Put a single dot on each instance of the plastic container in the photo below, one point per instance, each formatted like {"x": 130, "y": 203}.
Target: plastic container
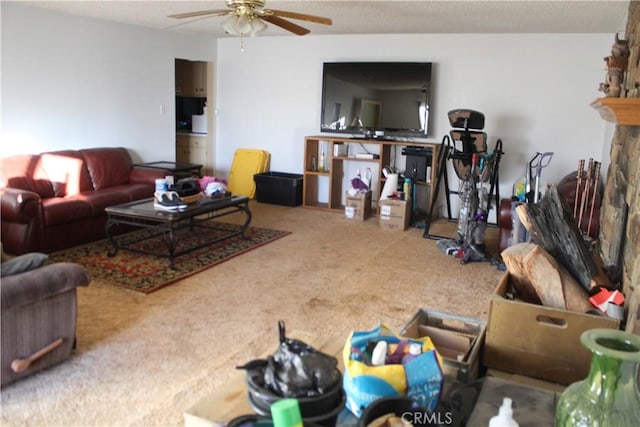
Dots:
{"x": 326, "y": 418}
{"x": 322, "y": 165}
{"x": 245, "y": 420}
{"x": 415, "y": 350}
{"x": 247, "y": 163}
{"x": 379, "y": 353}
{"x": 161, "y": 185}
{"x": 262, "y": 397}
{"x": 254, "y": 420}
{"x": 406, "y": 188}
{"x": 279, "y": 188}
{"x": 505, "y": 416}
{"x": 286, "y": 413}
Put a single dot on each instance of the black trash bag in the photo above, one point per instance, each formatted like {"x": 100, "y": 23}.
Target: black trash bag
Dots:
{"x": 298, "y": 370}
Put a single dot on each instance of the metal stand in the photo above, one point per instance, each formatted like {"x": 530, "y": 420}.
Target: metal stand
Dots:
{"x": 448, "y": 152}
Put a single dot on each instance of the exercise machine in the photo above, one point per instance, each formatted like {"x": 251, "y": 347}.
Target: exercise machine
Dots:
{"x": 466, "y": 148}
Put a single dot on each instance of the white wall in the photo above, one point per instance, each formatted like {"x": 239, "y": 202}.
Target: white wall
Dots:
{"x": 72, "y": 82}
{"x": 534, "y": 89}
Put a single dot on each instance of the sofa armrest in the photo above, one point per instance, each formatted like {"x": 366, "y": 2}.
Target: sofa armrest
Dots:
{"x": 41, "y": 283}
{"x": 142, "y": 175}
{"x": 21, "y": 215}
{"x": 18, "y": 205}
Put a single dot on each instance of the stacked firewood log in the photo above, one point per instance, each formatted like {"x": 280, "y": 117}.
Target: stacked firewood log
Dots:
{"x": 540, "y": 279}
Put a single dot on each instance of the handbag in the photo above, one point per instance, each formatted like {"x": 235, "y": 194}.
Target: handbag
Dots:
{"x": 421, "y": 378}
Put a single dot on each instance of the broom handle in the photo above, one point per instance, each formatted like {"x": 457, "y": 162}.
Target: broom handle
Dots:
{"x": 585, "y": 194}
{"x": 578, "y": 184}
{"x": 596, "y": 181}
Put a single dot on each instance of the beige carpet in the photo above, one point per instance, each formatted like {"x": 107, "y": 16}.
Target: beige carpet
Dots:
{"x": 144, "y": 359}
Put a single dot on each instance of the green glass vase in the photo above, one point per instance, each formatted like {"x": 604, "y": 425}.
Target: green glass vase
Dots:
{"x": 610, "y": 395}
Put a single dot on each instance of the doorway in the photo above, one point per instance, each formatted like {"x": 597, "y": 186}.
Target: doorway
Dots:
{"x": 194, "y": 113}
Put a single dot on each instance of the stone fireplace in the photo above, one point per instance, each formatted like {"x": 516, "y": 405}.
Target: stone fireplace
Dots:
{"x": 620, "y": 212}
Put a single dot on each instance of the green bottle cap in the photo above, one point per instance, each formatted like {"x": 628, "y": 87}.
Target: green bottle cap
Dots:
{"x": 286, "y": 413}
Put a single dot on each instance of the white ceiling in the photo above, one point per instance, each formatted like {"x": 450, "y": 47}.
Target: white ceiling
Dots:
{"x": 376, "y": 17}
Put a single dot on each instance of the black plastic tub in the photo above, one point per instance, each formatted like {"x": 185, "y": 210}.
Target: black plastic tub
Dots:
{"x": 328, "y": 417}
{"x": 262, "y": 397}
{"x": 279, "y": 188}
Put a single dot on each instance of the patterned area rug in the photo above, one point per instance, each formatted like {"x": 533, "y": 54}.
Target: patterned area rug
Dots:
{"x": 148, "y": 273}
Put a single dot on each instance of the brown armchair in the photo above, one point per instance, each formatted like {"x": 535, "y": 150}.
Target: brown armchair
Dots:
{"x": 38, "y": 324}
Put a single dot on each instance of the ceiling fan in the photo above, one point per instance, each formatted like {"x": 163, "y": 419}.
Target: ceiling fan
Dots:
{"x": 246, "y": 18}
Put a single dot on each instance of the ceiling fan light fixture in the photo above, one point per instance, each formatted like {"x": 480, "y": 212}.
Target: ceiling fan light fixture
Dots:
{"x": 237, "y": 25}
{"x": 243, "y": 25}
{"x": 244, "y": 20}
{"x": 229, "y": 25}
{"x": 256, "y": 26}
{"x": 248, "y": 18}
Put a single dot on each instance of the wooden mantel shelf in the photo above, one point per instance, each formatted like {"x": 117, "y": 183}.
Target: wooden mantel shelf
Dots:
{"x": 621, "y": 111}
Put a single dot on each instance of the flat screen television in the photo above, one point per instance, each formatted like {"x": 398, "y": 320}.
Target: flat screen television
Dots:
{"x": 376, "y": 99}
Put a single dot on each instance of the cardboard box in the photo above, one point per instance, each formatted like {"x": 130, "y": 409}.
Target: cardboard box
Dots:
{"x": 358, "y": 207}
{"x": 458, "y": 339}
{"x": 394, "y": 214}
{"x": 527, "y": 381}
{"x": 538, "y": 341}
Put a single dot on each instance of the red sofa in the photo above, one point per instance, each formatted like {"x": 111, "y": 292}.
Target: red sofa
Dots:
{"x": 56, "y": 200}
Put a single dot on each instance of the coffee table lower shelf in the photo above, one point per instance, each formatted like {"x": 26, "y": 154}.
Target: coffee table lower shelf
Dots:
{"x": 142, "y": 214}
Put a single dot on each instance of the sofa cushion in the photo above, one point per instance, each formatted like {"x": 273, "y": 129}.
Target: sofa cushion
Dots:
{"x": 41, "y": 187}
{"x": 67, "y": 172}
{"x": 107, "y": 166}
{"x": 25, "y": 172}
{"x": 14, "y": 166}
{"x": 98, "y": 200}
{"x": 134, "y": 191}
{"x": 22, "y": 263}
{"x": 64, "y": 210}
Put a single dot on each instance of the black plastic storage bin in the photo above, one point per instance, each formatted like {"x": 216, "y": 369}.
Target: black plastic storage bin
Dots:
{"x": 279, "y": 188}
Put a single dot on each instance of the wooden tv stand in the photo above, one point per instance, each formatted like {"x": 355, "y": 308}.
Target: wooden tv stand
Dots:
{"x": 325, "y": 190}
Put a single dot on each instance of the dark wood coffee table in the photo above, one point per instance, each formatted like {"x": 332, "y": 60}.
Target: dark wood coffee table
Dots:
{"x": 143, "y": 214}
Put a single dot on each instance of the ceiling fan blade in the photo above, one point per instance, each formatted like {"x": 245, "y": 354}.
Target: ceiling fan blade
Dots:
{"x": 200, "y": 13}
{"x": 301, "y": 16}
{"x": 283, "y": 23}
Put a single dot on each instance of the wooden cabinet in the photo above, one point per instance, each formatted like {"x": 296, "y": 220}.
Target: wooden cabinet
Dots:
{"x": 191, "y": 78}
{"x": 191, "y": 149}
{"x": 198, "y": 150}
{"x": 182, "y": 149}
{"x": 324, "y": 188}
{"x": 198, "y": 86}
